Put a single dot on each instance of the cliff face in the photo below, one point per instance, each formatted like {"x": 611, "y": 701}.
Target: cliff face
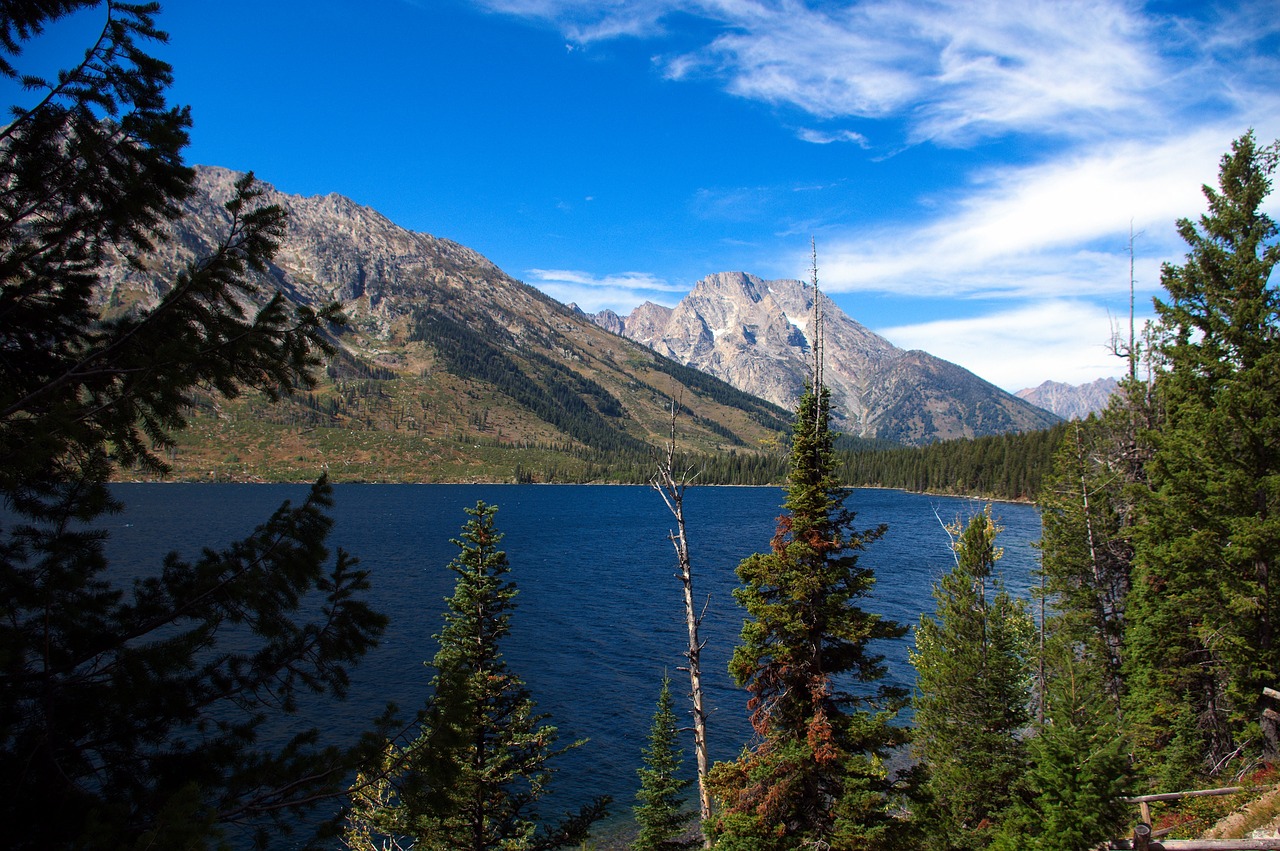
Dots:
{"x": 758, "y": 335}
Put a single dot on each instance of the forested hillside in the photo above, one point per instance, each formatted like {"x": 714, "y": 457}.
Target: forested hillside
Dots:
{"x": 443, "y": 368}
{"x": 1006, "y": 466}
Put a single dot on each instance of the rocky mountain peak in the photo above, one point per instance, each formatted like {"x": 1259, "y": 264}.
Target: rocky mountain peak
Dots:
{"x": 757, "y": 335}
{"x": 609, "y": 321}
{"x": 1071, "y": 402}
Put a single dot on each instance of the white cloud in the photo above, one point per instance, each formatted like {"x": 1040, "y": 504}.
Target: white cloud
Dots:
{"x": 1054, "y": 229}
{"x": 956, "y": 70}
{"x": 826, "y": 137}
{"x": 856, "y": 62}
{"x": 618, "y": 292}
{"x": 585, "y": 21}
{"x": 1035, "y": 67}
{"x": 1059, "y": 340}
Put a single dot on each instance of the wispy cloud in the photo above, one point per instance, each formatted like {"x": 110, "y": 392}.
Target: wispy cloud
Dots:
{"x": 856, "y": 61}
{"x": 1038, "y": 67}
{"x": 619, "y": 292}
{"x": 1048, "y": 230}
{"x": 955, "y": 70}
{"x": 826, "y": 137}
{"x": 1059, "y": 340}
{"x": 585, "y": 21}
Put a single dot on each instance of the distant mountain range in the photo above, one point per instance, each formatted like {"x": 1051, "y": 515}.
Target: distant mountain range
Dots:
{"x": 451, "y": 369}
{"x": 1071, "y": 402}
{"x": 758, "y": 335}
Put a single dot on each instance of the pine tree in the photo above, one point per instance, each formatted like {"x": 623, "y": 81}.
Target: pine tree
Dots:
{"x": 1202, "y": 640}
{"x": 1089, "y": 510}
{"x": 1071, "y": 794}
{"x": 129, "y": 714}
{"x": 81, "y": 188}
{"x": 972, "y": 692}
{"x": 479, "y": 766}
{"x": 817, "y": 773}
{"x": 662, "y": 815}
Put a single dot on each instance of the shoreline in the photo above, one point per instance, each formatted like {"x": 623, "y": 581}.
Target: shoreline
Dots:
{"x": 493, "y": 483}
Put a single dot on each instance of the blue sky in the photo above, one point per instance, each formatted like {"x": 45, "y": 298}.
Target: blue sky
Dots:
{"x": 970, "y": 171}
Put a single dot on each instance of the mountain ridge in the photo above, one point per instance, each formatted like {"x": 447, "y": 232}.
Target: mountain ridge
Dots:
{"x": 758, "y": 335}
{"x": 1071, "y": 401}
{"x": 443, "y": 352}
{"x": 448, "y": 360}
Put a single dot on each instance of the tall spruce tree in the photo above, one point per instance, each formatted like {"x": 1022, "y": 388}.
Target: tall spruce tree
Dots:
{"x": 1089, "y": 508}
{"x": 128, "y": 715}
{"x": 1070, "y": 798}
{"x": 662, "y": 813}
{"x": 972, "y": 661}
{"x": 817, "y": 774}
{"x": 480, "y": 765}
{"x": 1202, "y": 637}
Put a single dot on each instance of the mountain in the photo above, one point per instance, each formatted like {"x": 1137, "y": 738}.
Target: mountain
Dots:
{"x": 450, "y": 369}
{"x": 757, "y": 336}
{"x": 1071, "y": 402}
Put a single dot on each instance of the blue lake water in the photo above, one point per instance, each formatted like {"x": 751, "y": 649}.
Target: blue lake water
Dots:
{"x": 599, "y": 616}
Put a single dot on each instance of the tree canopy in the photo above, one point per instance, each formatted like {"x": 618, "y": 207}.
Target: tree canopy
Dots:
{"x": 130, "y": 706}
{"x": 662, "y": 812}
{"x": 972, "y": 702}
{"x": 1204, "y": 605}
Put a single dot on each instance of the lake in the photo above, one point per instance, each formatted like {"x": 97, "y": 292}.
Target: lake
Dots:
{"x": 599, "y": 615}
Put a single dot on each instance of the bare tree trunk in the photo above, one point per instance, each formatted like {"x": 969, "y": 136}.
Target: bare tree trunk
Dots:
{"x": 671, "y": 488}
{"x": 1105, "y": 605}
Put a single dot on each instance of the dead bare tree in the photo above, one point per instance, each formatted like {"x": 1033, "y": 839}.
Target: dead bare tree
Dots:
{"x": 1118, "y": 347}
{"x": 671, "y": 486}
{"x": 817, "y": 328}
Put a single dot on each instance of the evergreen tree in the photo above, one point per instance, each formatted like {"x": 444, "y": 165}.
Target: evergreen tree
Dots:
{"x": 93, "y": 172}
{"x": 1071, "y": 795}
{"x": 1202, "y": 636}
{"x": 663, "y": 818}
{"x": 479, "y": 766}
{"x": 817, "y": 774}
{"x": 128, "y": 713}
{"x": 972, "y": 692}
{"x": 1089, "y": 508}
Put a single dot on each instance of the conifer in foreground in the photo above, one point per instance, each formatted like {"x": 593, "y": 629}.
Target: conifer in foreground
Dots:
{"x": 817, "y": 775}
{"x": 662, "y": 815}
{"x": 972, "y": 692}
{"x": 479, "y": 766}
{"x": 1070, "y": 798}
{"x": 1202, "y": 638}
{"x": 134, "y": 699}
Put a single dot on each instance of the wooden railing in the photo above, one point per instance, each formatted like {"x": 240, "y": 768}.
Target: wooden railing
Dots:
{"x": 1144, "y": 839}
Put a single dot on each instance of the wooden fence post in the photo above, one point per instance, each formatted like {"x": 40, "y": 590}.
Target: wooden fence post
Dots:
{"x": 1270, "y": 722}
{"x": 1141, "y": 836}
